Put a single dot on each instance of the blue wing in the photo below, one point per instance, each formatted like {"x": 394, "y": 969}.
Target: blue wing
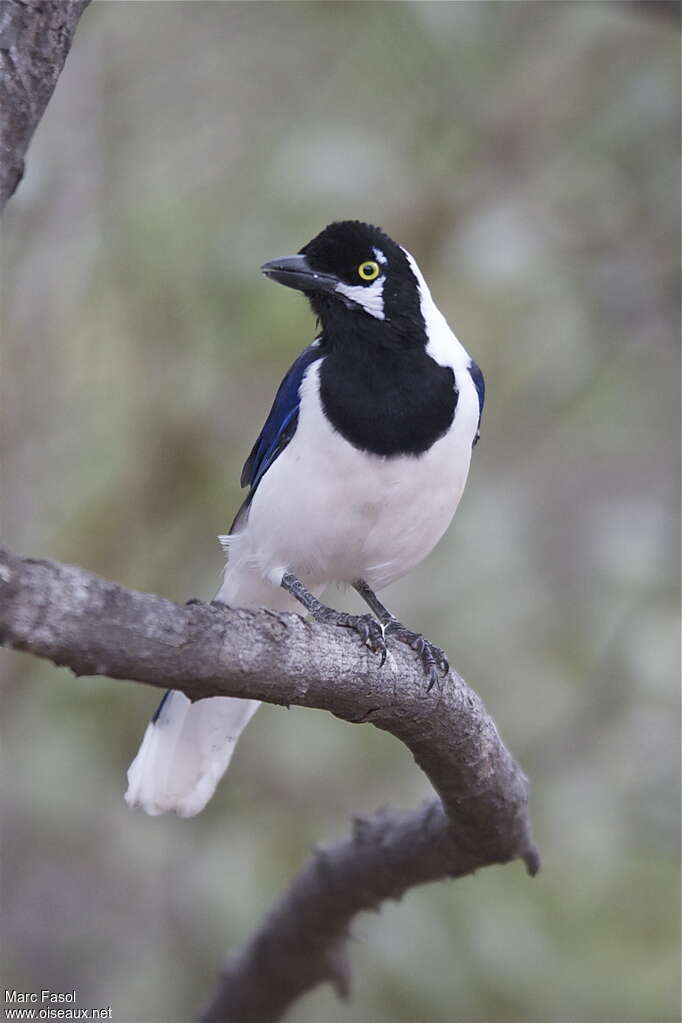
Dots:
{"x": 280, "y": 426}
{"x": 479, "y": 384}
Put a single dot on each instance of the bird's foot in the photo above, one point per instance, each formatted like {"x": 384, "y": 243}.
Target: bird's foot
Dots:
{"x": 371, "y": 631}
{"x": 434, "y": 660}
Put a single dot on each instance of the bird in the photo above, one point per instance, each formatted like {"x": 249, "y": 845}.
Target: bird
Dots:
{"x": 353, "y": 480}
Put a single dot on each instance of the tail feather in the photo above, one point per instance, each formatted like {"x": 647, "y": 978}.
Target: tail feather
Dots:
{"x": 188, "y": 746}
{"x": 186, "y": 749}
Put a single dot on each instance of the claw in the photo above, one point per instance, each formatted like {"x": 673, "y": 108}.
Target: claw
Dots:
{"x": 371, "y": 633}
{"x": 376, "y": 643}
{"x": 432, "y": 657}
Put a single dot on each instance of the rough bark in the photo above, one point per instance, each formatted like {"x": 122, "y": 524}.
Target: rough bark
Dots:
{"x": 35, "y": 38}
{"x": 73, "y": 618}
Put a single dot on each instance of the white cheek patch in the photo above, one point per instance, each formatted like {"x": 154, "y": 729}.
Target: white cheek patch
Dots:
{"x": 371, "y": 298}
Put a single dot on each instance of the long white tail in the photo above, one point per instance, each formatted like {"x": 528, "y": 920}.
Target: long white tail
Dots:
{"x": 185, "y": 752}
{"x": 188, "y": 746}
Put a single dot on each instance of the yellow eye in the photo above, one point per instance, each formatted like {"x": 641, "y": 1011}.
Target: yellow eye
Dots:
{"x": 368, "y": 271}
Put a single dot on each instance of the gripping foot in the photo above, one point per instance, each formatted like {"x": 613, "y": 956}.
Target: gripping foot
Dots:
{"x": 432, "y": 657}
{"x": 371, "y": 632}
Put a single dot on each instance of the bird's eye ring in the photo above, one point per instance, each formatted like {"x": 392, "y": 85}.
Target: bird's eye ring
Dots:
{"x": 368, "y": 271}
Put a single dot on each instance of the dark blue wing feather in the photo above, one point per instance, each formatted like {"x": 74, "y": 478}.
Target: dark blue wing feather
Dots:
{"x": 479, "y": 384}
{"x": 280, "y": 426}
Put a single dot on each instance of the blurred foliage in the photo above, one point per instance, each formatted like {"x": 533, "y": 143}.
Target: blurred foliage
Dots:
{"x": 527, "y": 154}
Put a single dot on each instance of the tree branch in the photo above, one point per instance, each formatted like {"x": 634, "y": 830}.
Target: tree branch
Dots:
{"x": 94, "y": 627}
{"x": 35, "y": 38}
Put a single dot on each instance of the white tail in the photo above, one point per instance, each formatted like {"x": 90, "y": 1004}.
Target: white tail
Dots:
{"x": 185, "y": 752}
{"x": 188, "y": 746}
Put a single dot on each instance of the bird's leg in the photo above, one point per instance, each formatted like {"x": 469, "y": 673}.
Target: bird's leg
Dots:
{"x": 367, "y": 627}
{"x": 432, "y": 657}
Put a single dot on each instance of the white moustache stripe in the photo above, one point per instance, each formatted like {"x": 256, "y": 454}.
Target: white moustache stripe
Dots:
{"x": 371, "y": 299}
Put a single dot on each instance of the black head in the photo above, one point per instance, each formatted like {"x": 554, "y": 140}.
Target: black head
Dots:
{"x": 352, "y": 273}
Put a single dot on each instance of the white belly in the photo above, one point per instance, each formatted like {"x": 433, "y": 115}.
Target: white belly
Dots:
{"x": 330, "y": 513}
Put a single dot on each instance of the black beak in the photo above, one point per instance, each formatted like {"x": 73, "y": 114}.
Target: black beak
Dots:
{"x": 296, "y": 272}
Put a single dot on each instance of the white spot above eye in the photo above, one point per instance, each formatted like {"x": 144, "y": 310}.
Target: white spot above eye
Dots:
{"x": 380, "y": 257}
{"x": 371, "y": 298}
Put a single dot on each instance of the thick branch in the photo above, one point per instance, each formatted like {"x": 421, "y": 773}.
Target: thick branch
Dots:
{"x": 35, "y": 38}
{"x": 95, "y": 627}
{"x": 301, "y": 942}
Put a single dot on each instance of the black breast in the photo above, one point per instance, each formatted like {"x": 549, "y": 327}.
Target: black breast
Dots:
{"x": 387, "y": 400}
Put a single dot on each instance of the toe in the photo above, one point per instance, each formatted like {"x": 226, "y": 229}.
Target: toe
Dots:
{"x": 376, "y": 642}
{"x": 370, "y": 632}
{"x": 363, "y": 631}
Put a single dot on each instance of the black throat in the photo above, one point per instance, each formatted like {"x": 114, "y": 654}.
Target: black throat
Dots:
{"x": 383, "y": 394}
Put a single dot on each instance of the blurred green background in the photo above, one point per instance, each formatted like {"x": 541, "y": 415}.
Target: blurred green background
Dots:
{"x": 527, "y": 154}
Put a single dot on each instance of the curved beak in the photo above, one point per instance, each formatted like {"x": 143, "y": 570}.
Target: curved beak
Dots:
{"x": 296, "y": 272}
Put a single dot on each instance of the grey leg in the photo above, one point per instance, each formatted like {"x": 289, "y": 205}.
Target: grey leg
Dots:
{"x": 367, "y": 627}
{"x": 370, "y": 598}
{"x": 432, "y": 657}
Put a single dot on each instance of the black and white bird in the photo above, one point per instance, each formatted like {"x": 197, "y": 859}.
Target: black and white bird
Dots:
{"x": 353, "y": 480}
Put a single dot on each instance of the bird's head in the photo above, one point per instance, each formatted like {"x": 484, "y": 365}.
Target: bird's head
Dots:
{"x": 352, "y": 271}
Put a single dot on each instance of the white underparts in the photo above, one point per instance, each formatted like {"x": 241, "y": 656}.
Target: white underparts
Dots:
{"x": 366, "y": 517}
